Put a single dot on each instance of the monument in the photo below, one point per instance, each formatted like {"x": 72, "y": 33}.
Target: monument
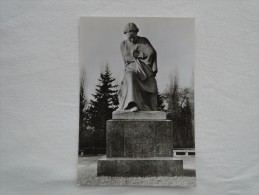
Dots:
{"x": 139, "y": 139}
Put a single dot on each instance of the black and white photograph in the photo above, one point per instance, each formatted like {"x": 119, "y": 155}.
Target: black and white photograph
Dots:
{"x": 104, "y": 97}
{"x": 136, "y": 121}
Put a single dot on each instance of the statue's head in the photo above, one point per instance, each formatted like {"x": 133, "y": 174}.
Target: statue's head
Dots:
{"x": 131, "y": 31}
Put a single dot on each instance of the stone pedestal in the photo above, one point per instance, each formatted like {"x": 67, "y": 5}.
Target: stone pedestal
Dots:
{"x": 139, "y": 144}
{"x": 139, "y": 138}
{"x": 140, "y": 167}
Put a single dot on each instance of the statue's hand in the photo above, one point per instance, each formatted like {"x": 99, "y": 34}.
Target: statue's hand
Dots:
{"x": 137, "y": 54}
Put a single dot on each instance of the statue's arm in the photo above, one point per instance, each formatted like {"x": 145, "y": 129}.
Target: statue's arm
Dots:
{"x": 122, "y": 46}
{"x": 152, "y": 56}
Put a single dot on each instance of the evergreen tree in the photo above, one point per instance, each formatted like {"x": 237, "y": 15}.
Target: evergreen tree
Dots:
{"x": 188, "y": 126}
{"x": 82, "y": 113}
{"x": 104, "y": 102}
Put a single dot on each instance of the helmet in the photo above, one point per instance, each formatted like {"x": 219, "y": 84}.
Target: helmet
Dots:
{"x": 129, "y": 27}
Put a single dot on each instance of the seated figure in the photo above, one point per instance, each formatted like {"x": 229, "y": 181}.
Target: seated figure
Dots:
{"x": 138, "y": 89}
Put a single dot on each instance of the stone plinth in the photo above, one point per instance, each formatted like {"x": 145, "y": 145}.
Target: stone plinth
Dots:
{"x": 139, "y": 144}
{"x": 139, "y": 138}
{"x": 140, "y": 167}
{"x": 142, "y": 115}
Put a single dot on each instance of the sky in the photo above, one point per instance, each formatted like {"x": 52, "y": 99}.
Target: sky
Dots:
{"x": 172, "y": 38}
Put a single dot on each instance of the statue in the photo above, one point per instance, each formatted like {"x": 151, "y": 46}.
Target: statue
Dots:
{"x": 138, "y": 89}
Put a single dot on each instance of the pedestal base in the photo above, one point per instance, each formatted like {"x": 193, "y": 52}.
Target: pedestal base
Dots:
{"x": 139, "y": 138}
{"x": 141, "y": 115}
{"x": 140, "y": 167}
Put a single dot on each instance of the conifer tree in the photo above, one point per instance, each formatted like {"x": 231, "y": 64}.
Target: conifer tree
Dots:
{"x": 104, "y": 102}
{"x": 82, "y": 112}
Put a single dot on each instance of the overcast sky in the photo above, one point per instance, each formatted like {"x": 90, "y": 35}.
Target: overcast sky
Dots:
{"x": 172, "y": 38}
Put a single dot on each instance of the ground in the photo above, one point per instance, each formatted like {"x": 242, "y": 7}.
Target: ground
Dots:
{"x": 87, "y": 175}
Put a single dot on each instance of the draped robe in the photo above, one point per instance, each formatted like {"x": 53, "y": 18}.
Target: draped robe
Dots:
{"x": 139, "y": 84}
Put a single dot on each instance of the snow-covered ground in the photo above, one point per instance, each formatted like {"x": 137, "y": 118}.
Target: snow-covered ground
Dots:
{"x": 87, "y": 175}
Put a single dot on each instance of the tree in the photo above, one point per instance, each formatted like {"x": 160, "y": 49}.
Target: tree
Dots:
{"x": 187, "y": 120}
{"x": 160, "y": 102}
{"x": 104, "y": 102}
{"x": 172, "y": 94}
{"x": 82, "y": 111}
{"x": 180, "y": 111}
